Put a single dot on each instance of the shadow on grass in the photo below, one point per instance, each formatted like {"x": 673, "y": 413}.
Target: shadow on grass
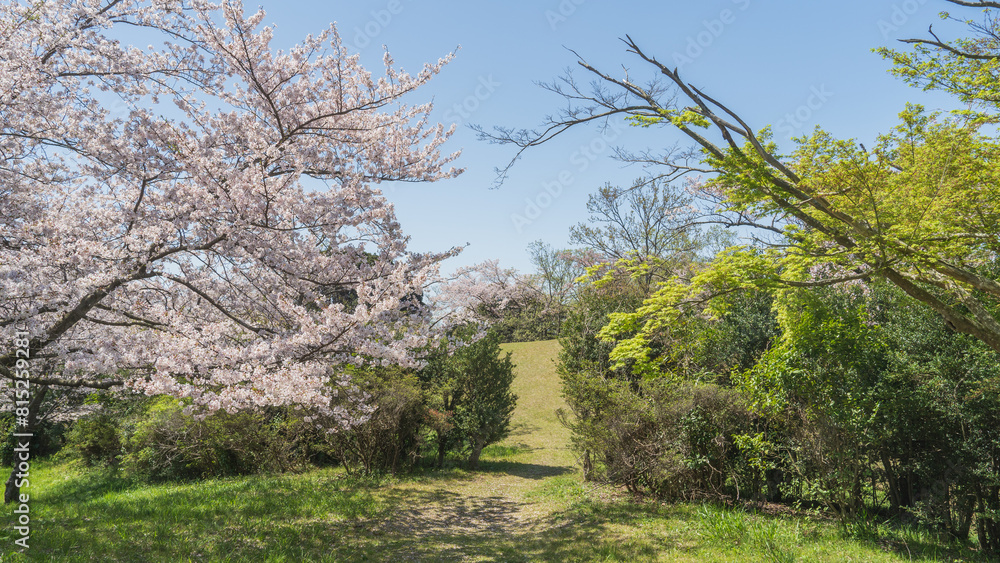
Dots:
{"x": 317, "y": 517}
{"x": 443, "y": 512}
{"x": 266, "y": 518}
{"x": 522, "y": 429}
{"x": 325, "y": 516}
{"x": 92, "y": 483}
{"x": 487, "y": 529}
{"x": 910, "y": 542}
{"x": 524, "y": 470}
{"x": 495, "y": 460}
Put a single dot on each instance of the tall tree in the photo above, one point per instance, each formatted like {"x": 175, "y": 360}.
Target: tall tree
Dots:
{"x": 652, "y": 224}
{"x": 647, "y": 220}
{"x": 919, "y": 209}
{"x": 555, "y": 272}
{"x": 471, "y": 402}
{"x": 176, "y": 218}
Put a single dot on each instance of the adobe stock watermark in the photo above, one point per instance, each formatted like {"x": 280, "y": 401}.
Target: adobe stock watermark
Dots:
{"x": 580, "y": 160}
{"x": 22, "y": 453}
{"x": 365, "y": 34}
{"x": 901, "y": 14}
{"x": 563, "y": 11}
{"x": 461, "y": 111}
{"x": 793, "y": 122}
{"x": 712, "y": 30}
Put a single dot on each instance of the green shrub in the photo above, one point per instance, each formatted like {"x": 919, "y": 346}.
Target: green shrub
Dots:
{"x": 673, "y": 440}
{"x": 49, "y": 437}
{"x": 390, "y": 439}
{"x": 468, "y": 395}
{"x": 96, "y": 439}
{"x": 483, "y": 416}
{"x": 169, "y": 444}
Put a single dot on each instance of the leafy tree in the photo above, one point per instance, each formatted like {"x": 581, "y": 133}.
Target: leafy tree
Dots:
{"x": 581, "y": 349}
{"x": 964, "y": 67}
{"x": 869, "y": 387}
{"x": 470, "y": 393}
{"x": 483, "y": 416}
{"x": 675, "y": 437}
{"x": 918, "y": 209}
{"x": 683, "y": 326}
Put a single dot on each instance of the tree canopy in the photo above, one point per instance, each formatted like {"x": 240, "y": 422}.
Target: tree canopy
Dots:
{"x": 918, "y": 209}
{"x": 181, "y": 219}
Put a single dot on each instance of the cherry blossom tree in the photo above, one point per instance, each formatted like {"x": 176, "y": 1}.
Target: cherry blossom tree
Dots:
{"x": 518, "y": 307}
{"x": 483, "y": 293}
{"x": 202, "y": 218}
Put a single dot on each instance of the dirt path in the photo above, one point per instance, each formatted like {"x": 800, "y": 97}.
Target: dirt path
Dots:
{"x": 507, "y": 502}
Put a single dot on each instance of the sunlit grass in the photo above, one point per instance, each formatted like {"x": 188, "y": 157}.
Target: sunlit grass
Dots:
{"x": 528, "y": 503}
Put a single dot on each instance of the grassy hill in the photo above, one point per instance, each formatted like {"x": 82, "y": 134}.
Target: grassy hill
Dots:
{"x": 539, "y": 395}
{"x": 528, "y": 504}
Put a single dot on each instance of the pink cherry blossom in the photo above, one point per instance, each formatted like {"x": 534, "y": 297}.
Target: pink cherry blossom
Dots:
{"x": 201, "y": 218}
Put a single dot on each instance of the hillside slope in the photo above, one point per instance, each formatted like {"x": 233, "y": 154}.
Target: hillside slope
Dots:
{"x": 539, "y": 396}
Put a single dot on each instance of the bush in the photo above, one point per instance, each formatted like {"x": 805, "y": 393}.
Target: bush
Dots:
{"x": 49, "y": 437}
{"x": 885, "y": 408}
{"x": 460, "y": 401}
{"x": 483, "y": 416}
{"x": 399, "y": 411}
{"x": 390, "y": 439}
{"x": 674, "y": 441}
{"x": 168, "y": 444}
{"x": 96, "y": 439}
{"x": 97, "y": 436}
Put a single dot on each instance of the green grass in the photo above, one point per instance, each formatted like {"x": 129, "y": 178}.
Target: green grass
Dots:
{"x": 539, "y": 395}
{"x": 528, "y": 504}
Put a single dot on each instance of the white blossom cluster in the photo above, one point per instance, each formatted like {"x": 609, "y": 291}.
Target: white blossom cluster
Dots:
{"x": 160, "y": 221}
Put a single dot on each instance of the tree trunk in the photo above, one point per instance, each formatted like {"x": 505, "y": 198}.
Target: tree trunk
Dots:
{"x": 12, "y": 491}
{"x": 965, "y": 508}
{"x": 588, "y": 466}
{"x": 477, "y": 449}
{"x": 988, "y": 529}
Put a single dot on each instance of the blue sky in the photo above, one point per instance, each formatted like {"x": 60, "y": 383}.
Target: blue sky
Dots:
{"x": 767, "y": 60}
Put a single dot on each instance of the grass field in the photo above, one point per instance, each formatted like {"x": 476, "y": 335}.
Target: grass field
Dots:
{"x": 528, "y": 503}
